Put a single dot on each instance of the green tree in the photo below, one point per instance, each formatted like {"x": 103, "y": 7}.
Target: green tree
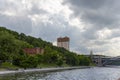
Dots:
{"x": 29, "y": 62}
{"x": 72, "y": 59}
{"x": 84, "y": 60}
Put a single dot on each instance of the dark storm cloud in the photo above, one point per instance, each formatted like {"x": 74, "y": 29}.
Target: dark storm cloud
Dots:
{"x": 99, "y": 12}
{"x": 94, "y": 4}
{"x": 100, "y": 20}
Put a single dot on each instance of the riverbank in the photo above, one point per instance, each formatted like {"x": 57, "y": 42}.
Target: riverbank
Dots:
{"x": 41, "y": 70}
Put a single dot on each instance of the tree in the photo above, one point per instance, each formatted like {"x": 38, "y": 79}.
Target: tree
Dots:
{"x": 13, "y": 43}
{"x": 84, "y": 60}
{"x": 29, "y": 62}
{"x": 72, "y": 59}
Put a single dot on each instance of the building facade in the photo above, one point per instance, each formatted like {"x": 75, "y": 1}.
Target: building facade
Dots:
{"x": 33, "y": 50}
{"x": 63, "y": 42}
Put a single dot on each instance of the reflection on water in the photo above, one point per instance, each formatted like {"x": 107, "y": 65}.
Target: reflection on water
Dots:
{"x": 78, "y": 74}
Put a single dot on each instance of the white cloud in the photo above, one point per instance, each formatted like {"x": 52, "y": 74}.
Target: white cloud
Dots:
{"x": 77, "y": 23}
{"x": 104, "y": 33}
{"x": 8, "y": 13}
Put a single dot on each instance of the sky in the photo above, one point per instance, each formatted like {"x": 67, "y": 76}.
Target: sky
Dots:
{"x": 90, "y": 24}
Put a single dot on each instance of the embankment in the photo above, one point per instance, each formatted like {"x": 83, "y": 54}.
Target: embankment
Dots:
{"x": 41, "y": 70}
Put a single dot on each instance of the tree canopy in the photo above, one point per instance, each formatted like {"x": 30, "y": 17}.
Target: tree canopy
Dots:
{"x": 13, "y": 43}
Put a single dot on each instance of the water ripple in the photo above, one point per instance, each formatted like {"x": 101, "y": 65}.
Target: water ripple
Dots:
{"x": 97, "y": 73}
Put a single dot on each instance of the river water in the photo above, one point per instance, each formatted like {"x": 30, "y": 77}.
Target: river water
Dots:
{"x": 97, "y": 73}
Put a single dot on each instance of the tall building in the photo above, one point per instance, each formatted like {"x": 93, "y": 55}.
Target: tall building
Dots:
{"x": 91, "y": 55}
{"x": 63, "y": 42}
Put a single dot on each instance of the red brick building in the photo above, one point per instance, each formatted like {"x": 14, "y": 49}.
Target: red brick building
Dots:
{"x": 34, "y": 50}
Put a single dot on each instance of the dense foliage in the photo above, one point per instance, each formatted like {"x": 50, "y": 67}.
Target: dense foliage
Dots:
{"x": 13, "y": 43}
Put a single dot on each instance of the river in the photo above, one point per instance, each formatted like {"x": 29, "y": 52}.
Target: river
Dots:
{"x": 96, "y": 73}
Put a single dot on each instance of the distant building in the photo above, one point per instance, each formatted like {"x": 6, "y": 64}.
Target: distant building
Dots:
{"x": 63, "y": 42}
{"x": 33, "y": 50}
{"x": 91, "y": 55}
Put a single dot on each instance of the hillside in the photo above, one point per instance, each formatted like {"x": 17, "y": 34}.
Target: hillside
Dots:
{"x": 13, "y": 43}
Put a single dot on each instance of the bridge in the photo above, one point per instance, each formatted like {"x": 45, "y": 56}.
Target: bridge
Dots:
{"x": 100, "y": 60}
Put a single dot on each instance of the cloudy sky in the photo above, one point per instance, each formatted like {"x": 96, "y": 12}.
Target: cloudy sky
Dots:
{"x": 90, "y": 24}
